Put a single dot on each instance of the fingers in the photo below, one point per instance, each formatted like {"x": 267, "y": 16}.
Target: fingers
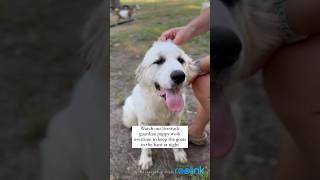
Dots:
{"x": 169, "y": 34}
{"x": 179, "y": 35}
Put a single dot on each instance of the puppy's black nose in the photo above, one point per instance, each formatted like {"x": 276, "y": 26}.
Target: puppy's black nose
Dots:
{"x": 177, "y": 76}
{"x": 226, "y": 47}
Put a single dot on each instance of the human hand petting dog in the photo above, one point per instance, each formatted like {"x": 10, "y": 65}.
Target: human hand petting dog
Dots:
{"x": 198, "y": 74}
{"x": 179, "y": 35}
{"x": 198, "y": 70}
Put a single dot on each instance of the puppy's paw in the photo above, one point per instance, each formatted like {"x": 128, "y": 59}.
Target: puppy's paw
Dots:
{"x": 145, "y": 162}
{"x": 180, "y": 155}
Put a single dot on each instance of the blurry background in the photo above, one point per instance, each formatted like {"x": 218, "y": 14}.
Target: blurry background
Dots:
{"x": 256, "y": 153}
{"x": 40, "y": 45}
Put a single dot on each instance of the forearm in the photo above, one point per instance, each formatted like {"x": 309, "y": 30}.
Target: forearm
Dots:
{"x": 201, "y": 24}
{"x": 201, "y": 89}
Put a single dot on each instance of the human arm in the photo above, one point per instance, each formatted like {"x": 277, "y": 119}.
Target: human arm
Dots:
{"x": 181, "y": 35}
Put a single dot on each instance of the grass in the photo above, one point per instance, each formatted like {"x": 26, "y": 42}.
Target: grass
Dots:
{"x": 152, "y": 19}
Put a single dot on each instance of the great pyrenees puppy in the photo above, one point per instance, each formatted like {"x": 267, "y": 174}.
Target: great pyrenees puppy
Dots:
{"x": 158, "y": 97}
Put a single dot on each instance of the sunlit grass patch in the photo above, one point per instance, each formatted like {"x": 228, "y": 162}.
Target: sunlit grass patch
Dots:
{"x": 154, "y": 18}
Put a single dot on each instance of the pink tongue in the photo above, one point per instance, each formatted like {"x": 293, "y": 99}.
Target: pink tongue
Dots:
{"x": 174, "y": 100}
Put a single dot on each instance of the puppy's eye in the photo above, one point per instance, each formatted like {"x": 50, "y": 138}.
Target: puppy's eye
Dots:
{"x": 181, "y": 60}
{"x": 160, "y": 61}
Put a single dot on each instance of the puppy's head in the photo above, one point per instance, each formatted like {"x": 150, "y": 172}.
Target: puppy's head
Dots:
{"x": 163, "y": 72}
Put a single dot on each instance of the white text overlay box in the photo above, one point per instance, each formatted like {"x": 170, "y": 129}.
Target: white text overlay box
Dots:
{"x": 159, "y": 136}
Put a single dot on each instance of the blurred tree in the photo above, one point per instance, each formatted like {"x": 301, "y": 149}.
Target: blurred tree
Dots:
{"x": 115, "y": 3}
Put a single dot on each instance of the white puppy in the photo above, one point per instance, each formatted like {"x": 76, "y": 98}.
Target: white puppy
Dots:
{"x": 158, "y": 98}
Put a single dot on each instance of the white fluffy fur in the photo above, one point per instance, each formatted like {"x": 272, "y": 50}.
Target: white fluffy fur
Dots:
{"x": 144, "y": 106}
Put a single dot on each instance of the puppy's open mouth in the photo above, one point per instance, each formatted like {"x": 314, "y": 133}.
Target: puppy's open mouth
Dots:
{"x": 173, "y": 97}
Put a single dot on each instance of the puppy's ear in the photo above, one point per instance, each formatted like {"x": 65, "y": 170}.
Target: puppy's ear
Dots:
{"x": 139, "y": 72}
{"x": 192, "y": 69}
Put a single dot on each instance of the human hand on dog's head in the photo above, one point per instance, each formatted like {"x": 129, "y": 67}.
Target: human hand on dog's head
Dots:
{"x": 179, "y": 35}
